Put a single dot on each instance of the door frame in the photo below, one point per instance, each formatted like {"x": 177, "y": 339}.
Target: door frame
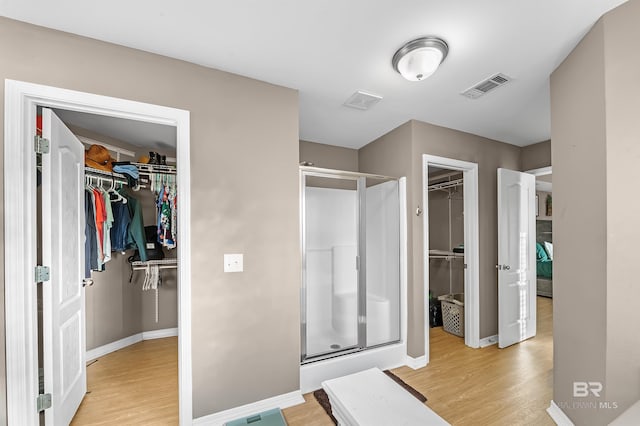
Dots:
{"x": 471, "y": 245}
{"x": 542, "y": 171}
{"x": 21, "y": 338}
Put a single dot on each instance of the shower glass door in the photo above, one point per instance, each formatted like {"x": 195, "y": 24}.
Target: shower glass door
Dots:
{"x": 382, "y": 263}
{"x": 350, "y": 230}
{"x": 330, "y": 243}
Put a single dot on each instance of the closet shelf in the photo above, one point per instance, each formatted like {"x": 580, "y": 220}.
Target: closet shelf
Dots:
{"x": 445, "y": 185}
{"x": 104, "y": 175}
{"x": 145, "y": 168}
{"x": 444, "y": 254}
{"x": 162, "y": 264}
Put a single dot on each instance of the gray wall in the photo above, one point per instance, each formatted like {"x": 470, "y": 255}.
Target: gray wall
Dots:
{"x": 399, "y": 153}
{"x": 595, "y": 134}
{"x": 536, "y": 156}
{"x": 489, "y": 155}
{"x": 329, "y": 156}
{"x": 390, "y": 155}
{"x": 622, "y": 69}
{"x": 241, "y": 130}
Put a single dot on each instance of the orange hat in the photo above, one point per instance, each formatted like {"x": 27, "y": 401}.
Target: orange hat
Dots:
{"x": 98, "y": 157}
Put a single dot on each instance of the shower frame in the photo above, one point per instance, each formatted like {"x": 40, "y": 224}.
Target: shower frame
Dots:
{"x": 360, "y": 179}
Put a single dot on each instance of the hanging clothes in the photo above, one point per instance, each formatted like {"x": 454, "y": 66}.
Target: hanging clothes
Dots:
{"x": 100, "y": 217}
{"x": 135, "y": 234}
{"x": 108, "y": 224}
{"x": 165, "y": 217}
{"x": 90, "y": 241}
{"x": 120, "y": 228}
{"x": 173, "y": 198}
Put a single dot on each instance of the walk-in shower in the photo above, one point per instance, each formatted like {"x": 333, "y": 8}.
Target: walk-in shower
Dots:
{"x": 350, "y": 228}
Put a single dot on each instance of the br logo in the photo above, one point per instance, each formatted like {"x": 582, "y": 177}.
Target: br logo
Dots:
{"x": 583, "y": 389}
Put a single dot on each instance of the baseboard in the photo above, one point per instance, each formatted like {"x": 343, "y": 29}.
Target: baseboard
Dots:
{"x": 558, "y": 416}
{"x": 159, "y": 334}
{"x": 113, "y": 346}
{"x": 416, "y": 363}
{"x": 128, "y": 341}
{"x": 488, "y": 341}
{"x": 281, "y": 401}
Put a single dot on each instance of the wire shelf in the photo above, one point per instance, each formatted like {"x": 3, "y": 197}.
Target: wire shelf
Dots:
{"x": 162, "y": 264}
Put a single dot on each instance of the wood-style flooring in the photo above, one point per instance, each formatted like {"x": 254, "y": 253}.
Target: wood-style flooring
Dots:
{"x": 138, "y": 385}
{"x": 489, "y": 386}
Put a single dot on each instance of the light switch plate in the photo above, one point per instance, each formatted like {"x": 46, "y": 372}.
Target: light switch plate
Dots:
{"x": 233, "y": 262}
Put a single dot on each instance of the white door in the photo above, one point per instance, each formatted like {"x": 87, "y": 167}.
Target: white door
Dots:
{"x": 65, "y": 374}
{"x": 516, "y": 257}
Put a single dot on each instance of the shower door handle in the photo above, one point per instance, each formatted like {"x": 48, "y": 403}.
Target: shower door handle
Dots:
{"x": 357, "y": 263}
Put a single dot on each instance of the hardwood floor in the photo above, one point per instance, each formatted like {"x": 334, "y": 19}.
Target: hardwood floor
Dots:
{"x": 138, "y": 385}
{"x": 465, "y": 386}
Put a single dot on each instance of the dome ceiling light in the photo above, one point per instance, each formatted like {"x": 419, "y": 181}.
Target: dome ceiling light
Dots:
{"x": 420, "y": 58}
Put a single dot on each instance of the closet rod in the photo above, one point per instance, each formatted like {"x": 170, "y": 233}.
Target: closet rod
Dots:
{"x": 142, "y": 268}
{"x": 445, "y": 185}
{"x": 162, "y": 264}
{"x": 104, "y": 176}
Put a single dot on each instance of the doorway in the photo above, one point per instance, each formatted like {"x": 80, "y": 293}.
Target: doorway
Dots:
{"x": 459, "y": 178}
{"x": 22, "y": 101}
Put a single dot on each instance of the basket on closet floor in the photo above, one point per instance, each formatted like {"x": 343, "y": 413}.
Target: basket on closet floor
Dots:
{"x": 453, "y": 313}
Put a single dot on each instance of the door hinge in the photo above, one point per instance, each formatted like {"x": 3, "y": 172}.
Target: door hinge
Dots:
{"x": 41, "y": 145}
{"x": 42, "y": 273}
{"x": 44, "y": 401}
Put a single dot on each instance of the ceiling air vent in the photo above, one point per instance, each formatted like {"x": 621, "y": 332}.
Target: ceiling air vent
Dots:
{"x": 362, "y": 100}
{"x": 486, "y": 86}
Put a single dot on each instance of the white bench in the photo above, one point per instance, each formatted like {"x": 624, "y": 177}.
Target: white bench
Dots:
{"x": 371, "y": 398}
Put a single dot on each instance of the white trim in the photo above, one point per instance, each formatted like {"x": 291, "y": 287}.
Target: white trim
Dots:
{"x": 281, "y": 401}
{"x": 159, "y": 334}
{"x": 21, "y": 338}
{"x": 113, "y": 346}
{"x": 384, "y": 357}
{"x": 21, "y": 100}
{"x": 404, "y": 304}
{"x": 488, "y": 341}
{"x": 471, "y": 245}
{"x": 416, "y": 363}
{"x": 542, "y": 171}
{"x": 128, "y": 341}
{"x": 558, "y": 416}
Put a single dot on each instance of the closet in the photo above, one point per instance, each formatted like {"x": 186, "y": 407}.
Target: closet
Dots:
{"x": 446, "y": 249}
{"x": 131, "y": 295}
{"x": 128, "y": 297}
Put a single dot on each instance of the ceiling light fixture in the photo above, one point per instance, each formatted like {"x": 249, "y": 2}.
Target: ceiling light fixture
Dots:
{"x": 420, "y": 58}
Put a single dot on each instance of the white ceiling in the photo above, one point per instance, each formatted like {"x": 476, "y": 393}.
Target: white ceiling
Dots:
{"x": 329, "y": 49}
{"x": 137, "y": 133}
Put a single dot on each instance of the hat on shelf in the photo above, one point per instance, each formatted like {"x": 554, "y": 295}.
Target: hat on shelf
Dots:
{"x": 98, "y": 157}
